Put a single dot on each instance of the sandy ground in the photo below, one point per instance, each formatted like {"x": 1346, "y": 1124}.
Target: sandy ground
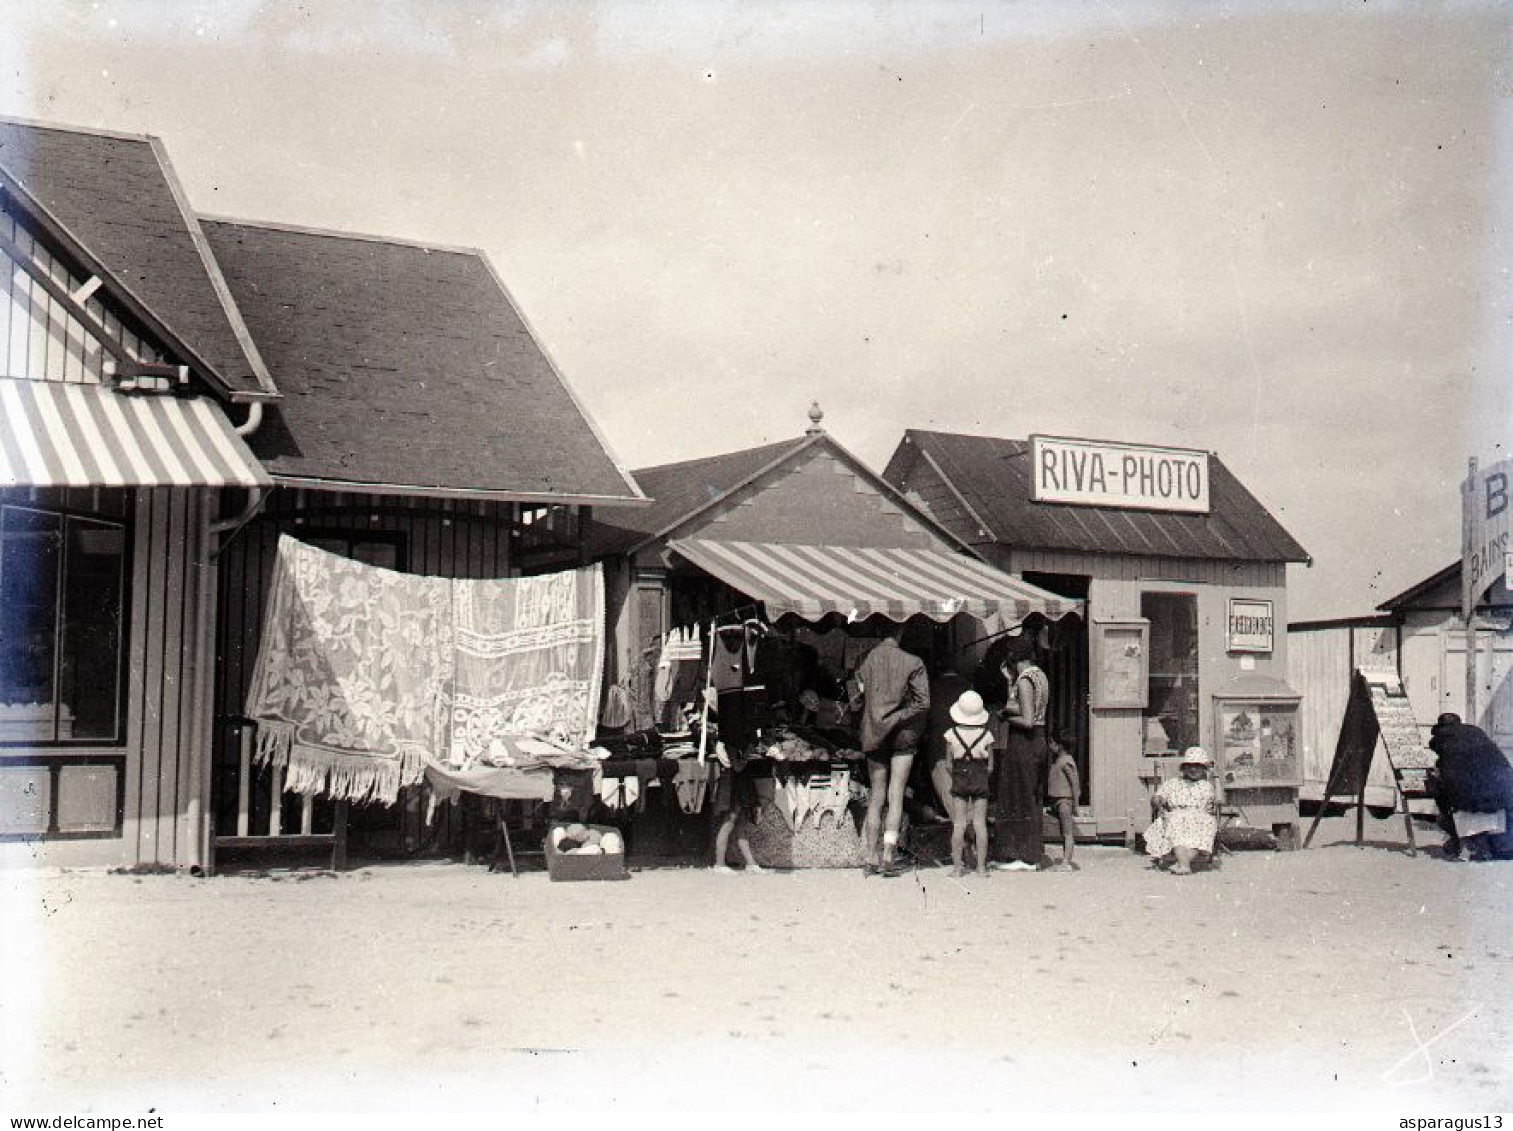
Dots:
{"x": 1331, "y": 978}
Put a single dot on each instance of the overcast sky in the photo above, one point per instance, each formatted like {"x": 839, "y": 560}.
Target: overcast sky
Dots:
{"x": 1277, "y": 231}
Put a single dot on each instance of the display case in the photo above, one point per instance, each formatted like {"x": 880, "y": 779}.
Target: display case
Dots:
{"x": 1120, "y": 659}
{"x": 1258, "y": 753}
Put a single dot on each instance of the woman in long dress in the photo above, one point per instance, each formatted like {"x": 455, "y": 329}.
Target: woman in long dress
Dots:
{"x": 1022, "y": 776}
{"x": 1187, "y": 813}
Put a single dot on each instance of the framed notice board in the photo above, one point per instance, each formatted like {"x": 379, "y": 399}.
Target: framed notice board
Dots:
{"x": 1119, "y": 651}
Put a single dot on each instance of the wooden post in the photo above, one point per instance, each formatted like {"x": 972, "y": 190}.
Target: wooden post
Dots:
{"x": 1468, "y": 591}
{"x": 1360, "y": 815}
{"x": 1408, "y": 823}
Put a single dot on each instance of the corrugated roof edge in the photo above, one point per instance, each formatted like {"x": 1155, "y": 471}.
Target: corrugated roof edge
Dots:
{"x": 122, "y": 291}
{"x": 911, "y": 434}
{"x": 636, "y": 499}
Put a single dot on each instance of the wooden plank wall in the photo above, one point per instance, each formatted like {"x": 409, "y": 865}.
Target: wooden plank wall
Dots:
{"x": 439, "y": 538}
{"x": 1321, "y": 661}
{"x": 165, "y": 722}
{"x": 41, "y": 340}
{"x": 1119, "y": 798}
{"x": 163, "y": 715}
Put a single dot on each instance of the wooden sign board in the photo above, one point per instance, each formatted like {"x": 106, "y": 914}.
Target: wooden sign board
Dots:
{"x": 1378, "y": 709}
{"x": 1409, "y": 758}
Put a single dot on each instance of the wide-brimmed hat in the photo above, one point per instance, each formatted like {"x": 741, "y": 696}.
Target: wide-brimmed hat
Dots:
{"x": 968, "y": 710}
{"x": 1446, "y": 725}
{"x": 1196, "y": 756}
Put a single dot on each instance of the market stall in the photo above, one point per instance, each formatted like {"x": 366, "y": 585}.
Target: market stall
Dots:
{"x": 771, "y": 687}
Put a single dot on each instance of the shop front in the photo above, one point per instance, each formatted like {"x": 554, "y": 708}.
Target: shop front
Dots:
{"x": 1184, "y": 577}
{"x": 118, "y": 455}
{"x": 743, "y": 601}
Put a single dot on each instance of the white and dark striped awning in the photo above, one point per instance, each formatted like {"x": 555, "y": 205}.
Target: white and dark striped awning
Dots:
{"x": 65, "y": 435}
{"x": 857, "y": 582}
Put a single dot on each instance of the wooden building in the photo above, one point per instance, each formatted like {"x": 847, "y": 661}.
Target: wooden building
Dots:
{"x": 1184, "y": 575}
{"x": 111, "y": 496}
{"x": 423, "y": 428}
{"x": 1420, "y": 634}
{"x": 398, "y": 410}
{"x": 797, "y": 526}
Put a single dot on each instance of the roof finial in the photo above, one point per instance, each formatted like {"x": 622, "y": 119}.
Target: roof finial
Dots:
{"x": 816, "y": 414}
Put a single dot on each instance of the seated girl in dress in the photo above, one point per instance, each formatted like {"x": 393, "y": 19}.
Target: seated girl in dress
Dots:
{"x": 1186, "y": 811}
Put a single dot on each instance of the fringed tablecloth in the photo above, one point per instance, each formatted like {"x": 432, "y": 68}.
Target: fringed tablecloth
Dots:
{"x": 365, "y": 674}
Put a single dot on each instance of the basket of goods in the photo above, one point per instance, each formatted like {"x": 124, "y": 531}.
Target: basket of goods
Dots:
{"x": 585, "y": 852}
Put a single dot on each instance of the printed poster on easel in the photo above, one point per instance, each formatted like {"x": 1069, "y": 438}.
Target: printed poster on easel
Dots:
{"x": 1378, "y": 710}
{"x": 1410, "y": 759}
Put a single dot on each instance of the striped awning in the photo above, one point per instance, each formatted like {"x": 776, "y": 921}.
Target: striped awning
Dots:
{"x": 814, "y": 581}
{"x": 63, "y": 435}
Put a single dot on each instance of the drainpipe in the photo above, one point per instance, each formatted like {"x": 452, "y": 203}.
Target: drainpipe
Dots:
{"x": 254, "y": 419}
{"x": 255, "y": 496}
{"x": 229, "y": 526}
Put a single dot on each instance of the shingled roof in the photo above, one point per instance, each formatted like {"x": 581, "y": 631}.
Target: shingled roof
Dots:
{"x": 992, "y": 476}
{"x": 680, "y": 490}
{"x": 114, "y": 203}
{"x": 408, "y": 368}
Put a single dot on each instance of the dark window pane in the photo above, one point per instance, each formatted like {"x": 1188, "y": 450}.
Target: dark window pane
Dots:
{"x": 30, "y": 550}
{"x": 62, "y": 595}
{"x": 92, "y": 628}
{"x": 1173, "y": 707}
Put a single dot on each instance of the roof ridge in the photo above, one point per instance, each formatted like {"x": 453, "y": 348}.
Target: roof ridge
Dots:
{"x": 40, "y": 124}
{"x": 212, "y": 267}
{"x": 339, "y": 234}
{"x": 572, "y": 394}
{"x": 720, "y": 456}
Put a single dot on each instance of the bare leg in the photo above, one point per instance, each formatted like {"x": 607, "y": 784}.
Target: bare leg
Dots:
{"x": 980, "y": 832}
{"x": 744, "y": 844}
{"x": 1068, "y": 818}
{"x": 877, "y": 798}
{"x": 940, "y": 778}
{"x": 898, "y": 781}
{"x": 959, "y": 834}
{"x": 722, "y": 838}
{"x": 1184, "y": 863}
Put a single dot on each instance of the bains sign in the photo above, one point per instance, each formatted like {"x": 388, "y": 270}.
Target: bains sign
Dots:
{"x": 1099, "y": 473}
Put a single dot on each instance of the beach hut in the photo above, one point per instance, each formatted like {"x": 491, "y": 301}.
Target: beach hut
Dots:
{"x": 1184, "y": 573}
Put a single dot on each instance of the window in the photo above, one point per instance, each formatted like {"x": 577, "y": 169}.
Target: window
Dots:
{"x": 1171, "y": 716}
{"x": 371, "y": 547}
{"x": 62, "y": 594}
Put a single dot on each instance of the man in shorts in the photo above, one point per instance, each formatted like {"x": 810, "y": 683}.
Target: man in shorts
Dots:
{"x": 895, "y": 701}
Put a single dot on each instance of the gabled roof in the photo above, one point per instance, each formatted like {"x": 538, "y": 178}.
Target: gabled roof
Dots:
{"x": 991, "y": 476}
{"x": 407, "y": 369}
{"x": 682, "y": 491}
{"x": 112, "y": 202}
{"x": 1449, "y": 576}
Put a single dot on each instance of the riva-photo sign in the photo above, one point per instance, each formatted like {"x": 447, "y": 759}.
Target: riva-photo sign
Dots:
{"x": 1097, "y": 473}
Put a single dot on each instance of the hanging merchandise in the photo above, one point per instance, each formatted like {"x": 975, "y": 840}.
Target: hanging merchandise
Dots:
{"x": 617, "y": 710}
{"x": 677, "y": 676}
{"x": 366, "y": 675}
{"x": 727, "y": 665}
{"x": 691, "y": 784}
{"x": 620, "y": 794}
